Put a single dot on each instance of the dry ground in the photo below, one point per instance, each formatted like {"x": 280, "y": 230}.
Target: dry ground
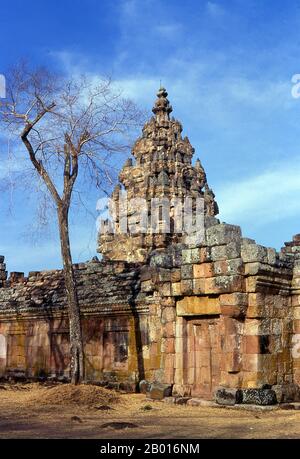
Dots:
{"x": 36, "y": 411}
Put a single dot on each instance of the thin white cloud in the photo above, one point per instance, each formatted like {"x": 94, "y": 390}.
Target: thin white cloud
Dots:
{"x": 201, "y": 92}
{"x": 262, "y": 93}
{"x": 8, "y": 166}
{"x": 45, "y": 254}
{"x": 169, "y": 30}
{"x": 214, "y": 9}
{"x": 128, "y": 10}
{"x": 222, "y": 101}
{"x": 269, "y": 197}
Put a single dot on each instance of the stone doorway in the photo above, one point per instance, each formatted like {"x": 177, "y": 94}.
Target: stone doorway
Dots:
{"x": 16, "y": 352}
{"x": 203, "y": 355}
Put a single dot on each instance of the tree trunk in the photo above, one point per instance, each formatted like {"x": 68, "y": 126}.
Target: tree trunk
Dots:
{"x": 76, "y": 343}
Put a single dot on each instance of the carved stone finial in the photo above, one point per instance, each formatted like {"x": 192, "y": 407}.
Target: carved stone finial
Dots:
{"x": 162, "y": 107}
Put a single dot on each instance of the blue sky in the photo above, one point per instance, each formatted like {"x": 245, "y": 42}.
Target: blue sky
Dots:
{"x": 227, "y": 66}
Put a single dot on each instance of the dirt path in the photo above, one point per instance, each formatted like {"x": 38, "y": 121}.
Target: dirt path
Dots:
{"x": 26, "y": 412}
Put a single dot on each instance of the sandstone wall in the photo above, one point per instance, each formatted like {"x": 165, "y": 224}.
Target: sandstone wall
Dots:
{"x": 34, "y": 340}
{"x": 243, "y": 286}
{"x": 292, "y": 250}
{"x": 225, "y": 299}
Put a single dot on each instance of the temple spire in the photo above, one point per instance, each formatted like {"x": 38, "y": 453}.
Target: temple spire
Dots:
{"x": 162, "y": 107}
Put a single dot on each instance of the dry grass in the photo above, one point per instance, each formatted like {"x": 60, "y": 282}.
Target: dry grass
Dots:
{"x": 68, "y": 394}
{"x": 66, "y": 411}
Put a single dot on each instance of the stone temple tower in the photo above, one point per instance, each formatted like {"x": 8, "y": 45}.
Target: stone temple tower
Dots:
{"x": 161, "y": 168}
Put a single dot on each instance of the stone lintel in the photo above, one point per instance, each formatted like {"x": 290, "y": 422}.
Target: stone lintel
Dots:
{"x": 198, "y": 305}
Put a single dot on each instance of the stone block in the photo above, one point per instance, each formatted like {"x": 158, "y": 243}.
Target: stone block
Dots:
{"x": 250, "y": 379}
{"x": 176, "y": 289}
{"x": 253, "y": 253}
{"x": 165, "y": 289}
{"x": 247, "y": 240}
{"x": 226, "y": 252}
{"x": 296, "y": 326}
{"x": 161, "y": 259}
{"x": 175, "y": 275}
{"x": 232, "y": 311}
{"x": 252, "y": 269}
{"x": 168, "y": 345}
{"x": 256, "y": 299}
{"x": 179, "y": 342}
{"x": 197, "y": 305}
{"x": 204, "y": 254}
{"x": 251, "y": 344}
{"x": 286, "y": 393}
{"x": 203, "y": 270}
{"x": 168, "y": 314}
{"x": 187, "y": 271}
{"x": 250, "y": 362}
{"x": 272, "y": 256}
{"x": 233, "y": 359}
{"x": 190, "y": 256}
{"x": 257, "y": 327}
{"x": 167, "y": 301}
{"x": 223, "y": 284}
{"x": 228, "y": 397}
{"x": 159, "y": 391}
{"x": 154, "y": 356}
{"x": 258, "y": 397}
{"x": 199, "y": 286}
{"x": 181, "y": 390}
{"x": 146, "y": 273}
{"x": 164, "y": 275}
{"x": 256, "y": 312}
{"x": 251, "y": 284}
{"x": 234, "y": 299}
{"x": 147, "y": 286}
{"x": 228, "y": 267}
{"x": 169, "y": 330}
{"x": 222, "y": 234}
{"x": 210, "y": 221}
{"x": 144, "y": 386}
{"x": 186, "y": 286}
{"x": 187, "y": 256}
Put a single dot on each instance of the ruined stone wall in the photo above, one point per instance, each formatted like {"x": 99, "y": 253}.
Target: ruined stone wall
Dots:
{"x": 237, "y": 289}
{"x": 197, "y": 311}
{"x": 225, "y": 299}
{"x": 34, "y": 336}
{"x": 292, "y": 250}
{"x": 296, "y": 321}
{"x": 38, "y": 347}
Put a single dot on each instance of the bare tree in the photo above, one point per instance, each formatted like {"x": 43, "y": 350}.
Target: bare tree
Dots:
{"x": 70, "y": 129}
